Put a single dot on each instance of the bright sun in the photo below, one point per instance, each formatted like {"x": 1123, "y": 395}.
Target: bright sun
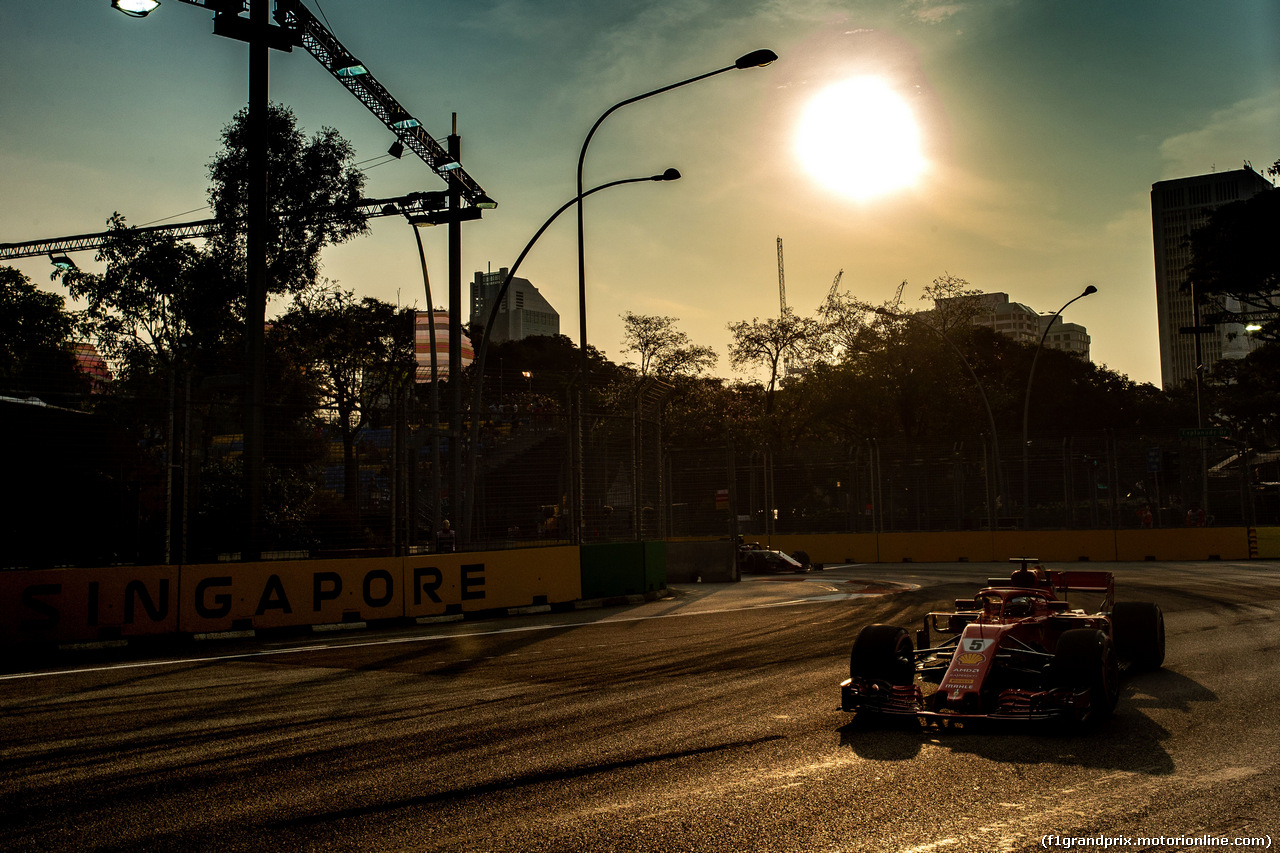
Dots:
{"x": 860, "y": 138}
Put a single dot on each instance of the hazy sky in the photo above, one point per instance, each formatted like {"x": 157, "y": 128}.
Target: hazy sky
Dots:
{"x": 1043, "y": 124}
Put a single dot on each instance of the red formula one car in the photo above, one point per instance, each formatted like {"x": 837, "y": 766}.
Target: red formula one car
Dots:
{"x": 1016, "y": 650}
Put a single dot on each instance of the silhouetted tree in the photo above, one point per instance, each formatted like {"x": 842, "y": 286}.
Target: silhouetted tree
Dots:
{"x": 1234, "y": 256}
{"x": 358, "y": 352}
{"x": 36, "y": 340}
{"x": 768, "y": 343}
{"x": 313, "y": 187}
{"x": 663, "y": 350}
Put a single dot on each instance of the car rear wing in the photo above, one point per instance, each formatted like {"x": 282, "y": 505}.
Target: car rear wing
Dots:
{"x": 1062, "y": 582}
{"x": 1094, "y": 582}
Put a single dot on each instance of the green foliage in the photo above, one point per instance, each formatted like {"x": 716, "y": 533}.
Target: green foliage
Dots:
{"x": 770, "y": 342}
{"x": 36, "y": 339}
{"x": 1245, "y": 395}
{"x": 663, "y": 350}
{"x": 1234, "y": 255}
{"x": 162, "y": 305}
{"x": 357, "y": 355}
{"x": 313, "y": 187}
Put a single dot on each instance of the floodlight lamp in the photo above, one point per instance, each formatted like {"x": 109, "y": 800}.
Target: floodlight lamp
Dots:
{"x": 135, "y": 8}
{"x": 396, "y": 149}
{"x": 349, "y": 66}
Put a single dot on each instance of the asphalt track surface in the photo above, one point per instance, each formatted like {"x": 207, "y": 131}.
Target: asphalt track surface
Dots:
{"x": 707, "y": 721}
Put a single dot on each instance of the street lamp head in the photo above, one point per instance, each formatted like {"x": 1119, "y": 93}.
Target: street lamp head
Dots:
{"x": 135, "y": 8}
{"x": 669, "y": 175}
{"x": 62, "y": 262}
{"x": 756, "y": 59}
{"x": 1090, "y": 289}
{"x": 483, "y": 202}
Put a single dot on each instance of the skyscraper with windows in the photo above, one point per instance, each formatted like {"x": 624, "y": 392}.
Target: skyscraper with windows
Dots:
{"x": 524, "y": 312}
{"x": 1179, "y": 207}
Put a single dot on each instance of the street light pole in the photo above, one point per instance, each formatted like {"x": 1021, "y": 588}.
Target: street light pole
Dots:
{"x": 455, "y": 337}
{"x": 754, "y": 59}
{"x": 1026, "y": 410}
{"x": 435, "y": 391}
{"x": 483, "y": 348}
{"x": 256, "y": 309}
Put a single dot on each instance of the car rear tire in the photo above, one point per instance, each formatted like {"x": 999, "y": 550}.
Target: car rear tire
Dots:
{"x": 1138, "y": 628}
{"x": 883, "y": 653}
{"x": 1085, "y": 658}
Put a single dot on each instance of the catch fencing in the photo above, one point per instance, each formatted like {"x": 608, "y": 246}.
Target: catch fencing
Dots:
{"x": 1107, "y": 480}
{"x": 160, "y": 481}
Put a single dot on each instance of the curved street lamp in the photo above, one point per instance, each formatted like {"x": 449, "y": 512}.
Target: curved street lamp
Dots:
{"x": 754, "y": 59}
{"x": 435, "y": 384}
{"x": 991, "y": 420}
{"x": 1026, "y": 410}
{"x": 483, "y": 348}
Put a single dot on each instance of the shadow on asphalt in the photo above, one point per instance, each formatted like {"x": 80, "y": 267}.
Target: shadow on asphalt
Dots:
{"x": 1128, "y": 741}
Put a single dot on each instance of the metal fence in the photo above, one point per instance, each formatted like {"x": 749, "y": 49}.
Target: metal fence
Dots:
{"x": 160, "y": 481}
{"x": 1101, "y": 481}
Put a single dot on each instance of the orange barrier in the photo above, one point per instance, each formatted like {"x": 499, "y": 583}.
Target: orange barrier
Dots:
{"x": 82, "y": 605}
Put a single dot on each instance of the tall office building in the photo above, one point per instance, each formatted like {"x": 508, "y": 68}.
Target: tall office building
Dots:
{"x": 1179, "y": 207}
{"x": 523, "y": 313}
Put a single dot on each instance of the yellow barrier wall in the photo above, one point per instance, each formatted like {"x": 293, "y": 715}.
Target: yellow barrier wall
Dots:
{"x": 220, "y": 597}
{"x": 79, "y": 605}
{"x": 1207, "y": 543}
{"x": 1057, "y": 546}
{"x": 1268, "y": 543}
{"x": 959, "y": 546}
{"x": 485, "y": 580}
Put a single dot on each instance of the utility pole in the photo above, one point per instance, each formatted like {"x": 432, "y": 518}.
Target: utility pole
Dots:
{"x": 455, "y": 343}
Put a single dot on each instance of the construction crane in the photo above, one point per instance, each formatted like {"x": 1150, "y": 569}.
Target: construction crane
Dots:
{"x": 299, "y": 28}
{"x": 419, "y": 207}
{"x": 782, "y": 281}
{"x": 834, "y": 284}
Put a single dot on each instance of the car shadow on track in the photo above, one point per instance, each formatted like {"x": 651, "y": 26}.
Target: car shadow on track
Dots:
{"x": 1130, "y": 740}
